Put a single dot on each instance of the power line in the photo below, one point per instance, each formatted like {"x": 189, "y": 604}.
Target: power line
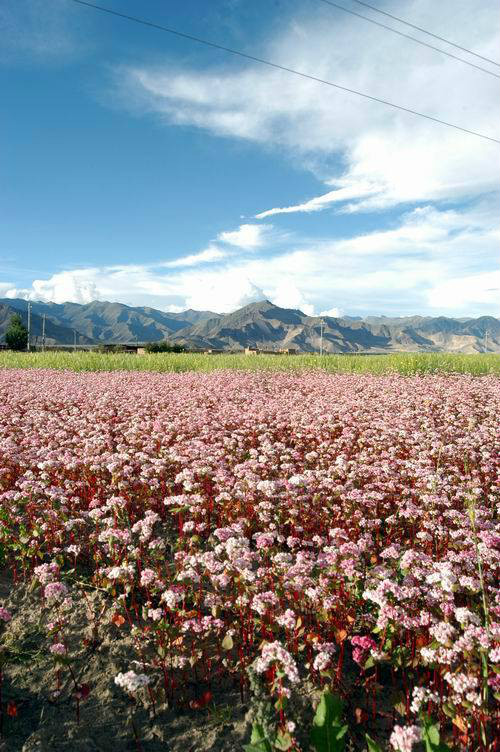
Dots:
{"x": 407, "y": 36}
{"x": 424, "y": 31}
{"x": 255, "y": 59}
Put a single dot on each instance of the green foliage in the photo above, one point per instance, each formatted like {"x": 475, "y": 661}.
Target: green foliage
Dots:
{"x": 283, "y": 741}
{"x": 407, "y": 364}
{"x": 262, "y": 714}
{"x": 258, "y": 741}
{"x": 328, "y": 731}
{"x": 372, "y": 745}
{"x": 430, "y": 737}
{"x": 163, "y": 347}
{"x": 16, "y": 335}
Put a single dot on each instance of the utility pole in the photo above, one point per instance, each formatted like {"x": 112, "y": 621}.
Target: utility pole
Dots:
{"x": 29, "y": 325}
{"x": 486, "y": 340}
{"x": 43, "y": 332}
{"x": 74, "y": 340}
{"x": 321, "y": 337}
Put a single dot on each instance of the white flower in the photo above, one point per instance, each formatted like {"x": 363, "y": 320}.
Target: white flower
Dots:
{"x": 321, "y": 661}
{"x": 130, "y": 681}
{"x": 274, "y": 652}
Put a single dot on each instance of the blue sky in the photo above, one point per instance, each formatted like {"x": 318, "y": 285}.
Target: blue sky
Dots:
{"x": 143, "y": 168}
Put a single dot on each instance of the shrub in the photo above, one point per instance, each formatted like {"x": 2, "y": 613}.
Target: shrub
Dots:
{"x": 160, "y": 347}
{"x": 16, "y": 335}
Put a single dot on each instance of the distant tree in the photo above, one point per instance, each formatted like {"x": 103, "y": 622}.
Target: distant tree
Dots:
{"x": 161, "y": 347}
{"x": 16, "y": 335}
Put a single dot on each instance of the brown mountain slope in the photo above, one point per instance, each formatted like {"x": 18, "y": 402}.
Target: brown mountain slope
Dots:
{"x": 266, "y": 326}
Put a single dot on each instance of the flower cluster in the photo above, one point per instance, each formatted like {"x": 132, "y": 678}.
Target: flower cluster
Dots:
{"x": 274, "y": 653}
{"x": 130, "y": 681}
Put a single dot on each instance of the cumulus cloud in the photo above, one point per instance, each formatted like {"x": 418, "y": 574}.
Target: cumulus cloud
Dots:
{"x": 334, "y": 312}
{"x": 246, "y": 236}
{"x": 389, "y": 157}
{"x": 227, "y": 291}
{"x": 433, "y": 262}
{"x": 77, "y": 286}
{"x": 287, "y": 295}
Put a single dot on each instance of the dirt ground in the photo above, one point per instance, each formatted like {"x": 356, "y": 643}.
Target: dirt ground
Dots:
{"x": 46, "y": 719}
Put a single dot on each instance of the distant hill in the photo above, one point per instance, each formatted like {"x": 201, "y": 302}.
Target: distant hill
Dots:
{"x": 54, "y": 333}
{"x": 262, "y": 325}
{"x": 266, "y": 326}
{"x": 113, "y": 322}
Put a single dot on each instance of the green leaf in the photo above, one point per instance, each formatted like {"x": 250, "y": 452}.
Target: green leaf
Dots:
{"x": 328, "y": 733}
{"x": 283, "y": 741}
{"x": 400, "y": 707}
{"x": 430, "y": 735}
{"x": 372, "y": 744}
{"x": 448, "y": 709}
{"x": 281, "y": 702}
{"x": 227, "y": 642}
{"x": 258, "y": 741}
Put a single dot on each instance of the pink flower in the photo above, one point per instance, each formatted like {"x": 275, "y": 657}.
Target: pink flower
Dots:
{"x": 287, "y": 620}
{"x": 46, "y": 573}
{"x": 264, "y": 540}
{"x": 274, "y": 652}
{"x": 148, "y": 577}
{"x": 5, "y": 615}
{"x": 55, "y": 592}
{"x": 58, "y": 649}
{"x": 155, "y": 613}
{"x": 322, "y": 661}
{"x": 362, "y": 644}
{"x": 404, "y": 737}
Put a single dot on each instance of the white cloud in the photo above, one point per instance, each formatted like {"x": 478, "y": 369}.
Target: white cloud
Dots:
{"x": 389, "y": 156}
{"x": 473, "y": 291}
{"x": 433, "y": 262}
{"x": 77, "y": 286}
{"x": 334, "y": 312}
{"x": 246, "y": 236}
{"x": 226, "y": 291}
{"x": 209, "y": 255}
{"x": 349, "y": 190}
{"x": 287, "y": 295}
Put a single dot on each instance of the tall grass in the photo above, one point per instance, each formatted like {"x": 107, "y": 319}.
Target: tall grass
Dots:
{"x": 405, "y": 363}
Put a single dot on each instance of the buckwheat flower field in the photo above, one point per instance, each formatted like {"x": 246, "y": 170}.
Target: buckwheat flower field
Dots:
{"x": 231, "y": 560}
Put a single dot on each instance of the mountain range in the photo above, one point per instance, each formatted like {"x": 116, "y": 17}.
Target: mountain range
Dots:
{"x": 261, "y": 325}
{"x": 98, "y": 322}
